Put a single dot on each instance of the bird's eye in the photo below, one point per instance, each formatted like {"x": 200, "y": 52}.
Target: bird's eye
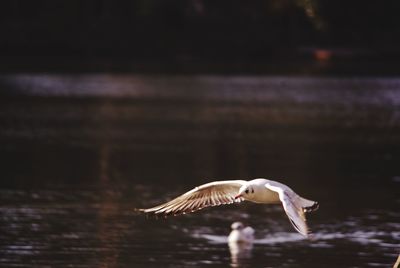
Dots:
{"x": 247, "y": 191}
{"x": 252, "y": 191}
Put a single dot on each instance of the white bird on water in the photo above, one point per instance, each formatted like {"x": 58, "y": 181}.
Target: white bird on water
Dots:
{"x": 240, "y": 242}
{"x": 227, "y": 192}
{"x": 240, "y": 233}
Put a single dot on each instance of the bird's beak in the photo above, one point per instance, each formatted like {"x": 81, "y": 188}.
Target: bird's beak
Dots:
{"x": 238, "y": 196}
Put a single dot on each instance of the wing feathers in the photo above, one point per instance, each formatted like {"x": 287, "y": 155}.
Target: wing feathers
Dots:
{"x": 210, "y": 194}
{"x": 294, "y": 206}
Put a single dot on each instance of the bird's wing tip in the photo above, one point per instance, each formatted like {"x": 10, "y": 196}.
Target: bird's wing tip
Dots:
{"x": 310, "y": 236}
{"x": 138, "y": 211}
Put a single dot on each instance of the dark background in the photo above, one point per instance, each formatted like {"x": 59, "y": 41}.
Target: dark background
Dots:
{"x": 278, "y": 36}
{"x": 107, "y": 106}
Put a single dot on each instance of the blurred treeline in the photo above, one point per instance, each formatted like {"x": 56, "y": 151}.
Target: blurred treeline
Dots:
{"x": 195, "y": 29}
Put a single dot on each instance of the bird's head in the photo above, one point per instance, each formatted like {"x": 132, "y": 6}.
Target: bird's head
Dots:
{"x": 237, "y": 225}
{"x": 245, "y": 191}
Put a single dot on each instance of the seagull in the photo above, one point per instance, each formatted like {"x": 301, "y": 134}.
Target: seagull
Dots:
{"x": 240, "y": 242}
{"x": 234, "y": 191}
{"x": 241, "y": 234}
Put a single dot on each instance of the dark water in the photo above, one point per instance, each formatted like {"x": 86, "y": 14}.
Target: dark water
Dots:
{"x": 78, "y": 153}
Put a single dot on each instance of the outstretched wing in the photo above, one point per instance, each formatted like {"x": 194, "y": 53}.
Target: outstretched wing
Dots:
{"x": 294, "y": 206}
{"x": 207, "y": 195}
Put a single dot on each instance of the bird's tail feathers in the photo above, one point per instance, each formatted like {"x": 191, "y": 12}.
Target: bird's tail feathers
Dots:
{"x": 308, "y": 205}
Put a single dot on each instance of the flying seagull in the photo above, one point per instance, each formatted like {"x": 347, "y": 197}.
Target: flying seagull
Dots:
{"x": 227, "y": 192}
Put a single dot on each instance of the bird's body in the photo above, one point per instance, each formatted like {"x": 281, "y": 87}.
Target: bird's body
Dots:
{"x": 262, "y": 194}
{"x": 226, "y": 192}
{"x": 240, "y": 242}
{"x": 241, "y": 234}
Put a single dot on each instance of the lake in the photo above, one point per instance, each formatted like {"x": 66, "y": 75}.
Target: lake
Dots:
{"x": 79, "y": 152}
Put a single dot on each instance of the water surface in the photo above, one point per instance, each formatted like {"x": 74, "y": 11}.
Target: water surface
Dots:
{"x": 79, "y": 153}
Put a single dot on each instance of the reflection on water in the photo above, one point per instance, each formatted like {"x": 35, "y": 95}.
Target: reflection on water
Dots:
{"x": 85, "y": 228}
{"x": 321, "y": 239}
{"x": 73, "y": 169}
{"x": 240, "y": 253}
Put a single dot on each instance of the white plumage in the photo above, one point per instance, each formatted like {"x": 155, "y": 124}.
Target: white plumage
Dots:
{"x": 241, "y": 234}
{"x": 226, "y": 192}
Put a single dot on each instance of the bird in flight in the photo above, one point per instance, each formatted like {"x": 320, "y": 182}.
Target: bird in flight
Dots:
{"x": 233, "y": 191}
